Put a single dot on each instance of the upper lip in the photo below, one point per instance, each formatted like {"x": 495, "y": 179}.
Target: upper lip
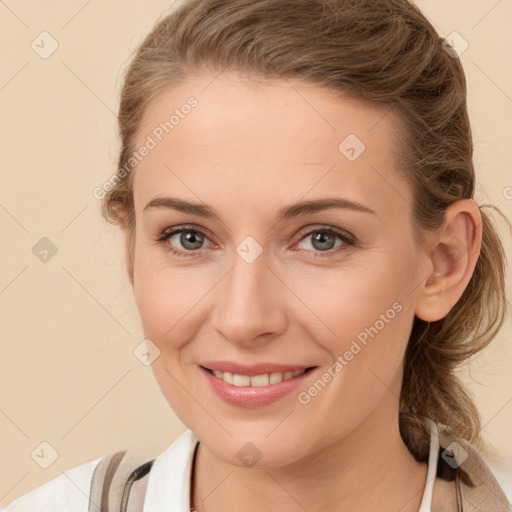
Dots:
{"x": 253, "y": 369}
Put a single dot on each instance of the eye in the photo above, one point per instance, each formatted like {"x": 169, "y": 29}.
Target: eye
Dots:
{"x": 187, "y": 241}
{"x": 190, "y": 239}
{"x": 326, "y": 240}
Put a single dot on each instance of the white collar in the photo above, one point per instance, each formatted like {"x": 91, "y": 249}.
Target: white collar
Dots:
{"x": 170, "y": 475}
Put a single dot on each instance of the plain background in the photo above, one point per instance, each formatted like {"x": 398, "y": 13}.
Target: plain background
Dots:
{"x": 69, "y": 325}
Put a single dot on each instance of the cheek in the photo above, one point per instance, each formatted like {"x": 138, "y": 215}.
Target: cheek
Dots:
{"x": 364, "y": 320}
{"x": 347, "y": 304}
{"x": 163, "y": 309}
{"x": 165, "y": 302}
{"x": 168, "y": 299}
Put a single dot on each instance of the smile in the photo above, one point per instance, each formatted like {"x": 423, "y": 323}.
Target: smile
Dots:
{"x": 265, "y": 379}
{"x": 253, "y": 388}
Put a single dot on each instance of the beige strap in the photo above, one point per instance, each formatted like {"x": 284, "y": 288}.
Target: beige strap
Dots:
{"x": 476, "y": 487}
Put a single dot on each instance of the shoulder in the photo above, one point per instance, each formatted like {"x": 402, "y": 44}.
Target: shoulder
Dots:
{"x": 502, "y": 471}
{"x": 72, "y": 490}
{"x": 485, "y": 483}
{"x": 69, "y": 492}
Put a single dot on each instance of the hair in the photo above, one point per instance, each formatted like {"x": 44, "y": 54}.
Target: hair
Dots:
{"x": 384, "y": 52}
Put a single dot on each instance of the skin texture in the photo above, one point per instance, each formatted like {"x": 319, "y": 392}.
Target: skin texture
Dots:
{"x": 248, "y": 149}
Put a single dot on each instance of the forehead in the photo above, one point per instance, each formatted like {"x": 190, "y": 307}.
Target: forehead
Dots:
{"x": 248, "y": 137}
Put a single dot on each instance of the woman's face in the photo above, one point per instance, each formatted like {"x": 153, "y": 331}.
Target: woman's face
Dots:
{"x": 263, "y": 273}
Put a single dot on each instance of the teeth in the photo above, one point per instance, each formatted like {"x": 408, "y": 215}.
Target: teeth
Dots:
{"x": 260, "y": 380}
{"x": 241, "y": 380}
{"x": 276, "y": 378}
{"x": 256, "y": 380}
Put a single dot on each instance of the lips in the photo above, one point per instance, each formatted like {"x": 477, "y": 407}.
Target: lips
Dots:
{"x": 254, "y": 385}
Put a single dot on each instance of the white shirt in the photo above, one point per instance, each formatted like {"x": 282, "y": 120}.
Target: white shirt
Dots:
{"x": 169, "y": 482}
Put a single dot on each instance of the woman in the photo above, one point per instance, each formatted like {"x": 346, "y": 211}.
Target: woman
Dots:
{"x": 295, "y": 189}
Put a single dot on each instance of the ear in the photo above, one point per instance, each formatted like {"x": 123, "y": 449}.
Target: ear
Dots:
{"x": 125, "y": 228}
{"x": 453, "y": 251}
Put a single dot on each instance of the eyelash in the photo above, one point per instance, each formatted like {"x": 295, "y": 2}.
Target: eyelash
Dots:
{"x": 348, "y": 241}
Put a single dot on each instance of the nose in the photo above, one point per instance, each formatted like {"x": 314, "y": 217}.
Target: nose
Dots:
{"x": 251, "y": 303}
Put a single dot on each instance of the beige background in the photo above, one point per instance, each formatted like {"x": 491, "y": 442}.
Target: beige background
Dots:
{"x": 69, "y": 326}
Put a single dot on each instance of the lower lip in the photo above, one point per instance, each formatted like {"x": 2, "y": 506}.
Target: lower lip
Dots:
{"x": 253, "y": 396}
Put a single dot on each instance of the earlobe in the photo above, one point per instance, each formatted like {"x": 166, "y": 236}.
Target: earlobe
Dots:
{"x": 453, "y": 252}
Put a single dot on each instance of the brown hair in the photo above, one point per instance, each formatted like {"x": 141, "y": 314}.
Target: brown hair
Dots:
{"x": 385, "y": 52}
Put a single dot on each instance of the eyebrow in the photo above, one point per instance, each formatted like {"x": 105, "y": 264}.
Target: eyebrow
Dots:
{"x": 286, "y": 213}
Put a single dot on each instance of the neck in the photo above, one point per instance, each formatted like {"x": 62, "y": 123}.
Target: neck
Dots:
{"x": 369, "y": 469}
